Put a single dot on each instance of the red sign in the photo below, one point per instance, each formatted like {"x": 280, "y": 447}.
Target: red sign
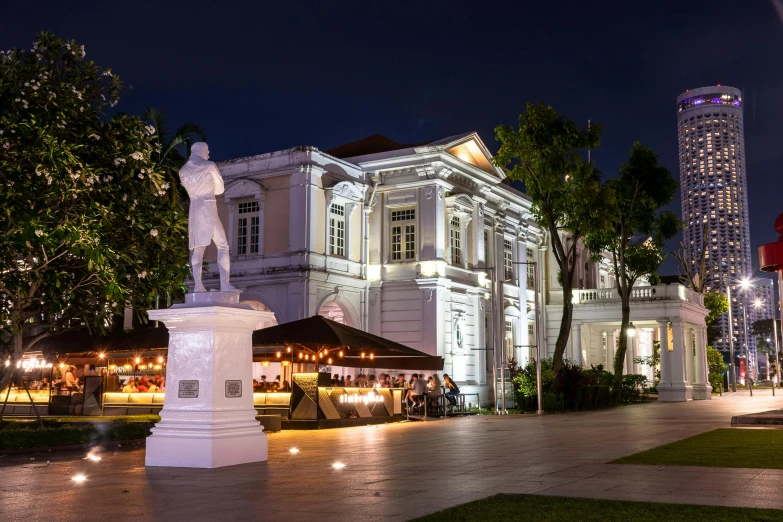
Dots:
{"x": 742, "y": 366}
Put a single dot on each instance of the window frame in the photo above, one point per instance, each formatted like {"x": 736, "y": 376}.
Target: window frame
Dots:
{"x": 337, "y": 227}
{"x": 248, "y": 228}
{"x": 405, "y": 236}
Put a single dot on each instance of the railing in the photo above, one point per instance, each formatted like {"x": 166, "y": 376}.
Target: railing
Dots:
{"x": 639, "y": 293}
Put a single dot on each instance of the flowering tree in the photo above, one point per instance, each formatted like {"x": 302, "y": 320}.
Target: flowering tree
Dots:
{"x": 87, "y": 227}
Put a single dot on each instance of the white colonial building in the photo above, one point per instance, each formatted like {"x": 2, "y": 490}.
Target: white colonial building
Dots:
{"x": 404, "y": 241}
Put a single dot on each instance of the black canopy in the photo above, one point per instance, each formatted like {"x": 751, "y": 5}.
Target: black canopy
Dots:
{"x": 359, "y": 349}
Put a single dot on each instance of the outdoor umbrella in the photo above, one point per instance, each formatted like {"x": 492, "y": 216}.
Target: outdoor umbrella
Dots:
{"x": 345, "y": 346}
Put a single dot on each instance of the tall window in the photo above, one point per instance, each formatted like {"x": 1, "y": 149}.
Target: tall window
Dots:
{"x": 248, "y": 228}
{"x": 531, "y": 270}
{"x": 403, "y": 235}
{"x": 508, "y": 338}
{"x": 456, "y": 250}
{"x": 508, "y": 266}
{"x": 337, "y": 230}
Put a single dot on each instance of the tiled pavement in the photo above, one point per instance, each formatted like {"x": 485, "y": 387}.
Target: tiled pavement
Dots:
{"x": 399, "y": 471}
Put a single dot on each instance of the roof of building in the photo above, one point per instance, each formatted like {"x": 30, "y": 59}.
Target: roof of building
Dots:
{"x": 369, "y": 145}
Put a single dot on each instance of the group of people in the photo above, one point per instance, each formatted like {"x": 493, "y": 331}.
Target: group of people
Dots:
{"x": 156, "y": 383}
{"x": 264, "y": 386}
{"x": 417, "y": 387}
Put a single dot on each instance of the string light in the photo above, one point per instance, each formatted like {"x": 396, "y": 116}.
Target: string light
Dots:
{"x": 279, "y": 355}
{"x": 101, "y": 355}
{"x": 138, "y": 360}
{"x": 329, "y": 360}
{"x": 340, "y": 353}
{"x": 160, "y": 360}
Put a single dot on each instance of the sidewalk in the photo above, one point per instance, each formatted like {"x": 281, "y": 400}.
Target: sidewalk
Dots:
{"x": 399, "y": 471}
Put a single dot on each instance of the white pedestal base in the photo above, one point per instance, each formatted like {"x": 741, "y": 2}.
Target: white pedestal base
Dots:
{"x": 208, "y": 419}
{"x": 702, "y": 392}
{"x": 187, "y": 441}
{"x": 678, "y": 393}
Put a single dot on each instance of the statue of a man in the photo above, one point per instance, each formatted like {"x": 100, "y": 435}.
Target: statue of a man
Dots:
{"x": 201, "y": 178}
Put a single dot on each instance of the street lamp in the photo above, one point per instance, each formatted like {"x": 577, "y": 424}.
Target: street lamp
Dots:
{"x": 744, "y": 284}
{"x": 630, "y": 331}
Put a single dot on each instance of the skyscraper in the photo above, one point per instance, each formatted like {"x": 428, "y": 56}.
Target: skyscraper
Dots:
{"x": 713, "y": 190}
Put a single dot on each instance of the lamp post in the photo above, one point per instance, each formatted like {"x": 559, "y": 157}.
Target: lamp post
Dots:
{"x": 540, "y": 410}
{"x": 733, "y": 362}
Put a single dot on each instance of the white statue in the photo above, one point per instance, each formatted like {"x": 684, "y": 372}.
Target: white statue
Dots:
{"x": 201, "y": 178}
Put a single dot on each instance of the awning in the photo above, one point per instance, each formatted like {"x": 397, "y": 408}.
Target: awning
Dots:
{"x": 359, "y": 349}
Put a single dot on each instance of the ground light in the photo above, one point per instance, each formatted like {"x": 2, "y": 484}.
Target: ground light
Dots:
{"x": 79, "y": 478}
{"x": 294, "y": 450}
{"x": 93, "y": 457}
{"x": 338, "y": 465}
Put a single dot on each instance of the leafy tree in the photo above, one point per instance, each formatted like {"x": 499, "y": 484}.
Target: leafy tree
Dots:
{"x": 546, "y": 154}
{"x": 637, "y": 230}
{"x": 87, "y": 227}
{"x": 172, "y": 150}
{"x": 717, "y": 303}
{"x": 764, "y": 333}
{"x": 716, "y": 367}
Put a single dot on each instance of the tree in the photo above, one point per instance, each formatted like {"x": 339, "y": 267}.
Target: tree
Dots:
{"x": 637, "y": 230}
{"x": 172, "y": 150}
{"x": 86, "y": 225}
{"x": 764, "y": 332}
{"x": 695, "y": 269}
{"x": 716, "y": 367}
{"x": 718, "y": 304}
{"x": 546, "y": 154}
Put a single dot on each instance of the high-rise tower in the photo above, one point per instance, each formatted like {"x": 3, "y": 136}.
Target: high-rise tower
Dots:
{"x": 713, "y": 190}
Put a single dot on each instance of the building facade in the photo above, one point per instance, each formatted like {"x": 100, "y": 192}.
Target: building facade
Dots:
{"x": 714, "y": 199}
{"x": 401, "y": 241}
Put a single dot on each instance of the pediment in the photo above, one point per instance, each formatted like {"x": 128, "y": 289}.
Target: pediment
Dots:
{"x": 243, "y": 188}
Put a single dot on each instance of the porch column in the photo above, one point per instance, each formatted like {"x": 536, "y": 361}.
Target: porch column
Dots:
{"x": 576, "y": 343}
{"x": 678, "y": 389}
{"x": 663, "y": 337}
{"x": 701, "y": 385}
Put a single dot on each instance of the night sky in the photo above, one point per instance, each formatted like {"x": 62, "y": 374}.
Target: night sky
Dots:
{"x": 270, "y": 75}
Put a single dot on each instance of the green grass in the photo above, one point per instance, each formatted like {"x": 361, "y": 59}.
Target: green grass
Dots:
{"x": 551, "y": 509}
{"x": 18, "y": 434}
{"x": 723, "y": 448}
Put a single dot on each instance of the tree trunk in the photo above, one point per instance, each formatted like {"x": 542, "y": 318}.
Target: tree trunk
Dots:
{"x": 622, "y": 345}
{"x": 565, "y": 327}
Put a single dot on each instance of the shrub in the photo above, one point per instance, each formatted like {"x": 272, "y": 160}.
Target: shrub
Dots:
{"x": 634, "y": 388}
{"x": 21, "y": 435}
{"x": 717, "y": 367}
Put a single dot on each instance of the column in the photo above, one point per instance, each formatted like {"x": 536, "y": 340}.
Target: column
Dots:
{"x": 702, "y": 390}
{"x": 433, "y": 222}
{"x": 478, "y": 257}
{"x": 678, "y": 389}
{"x": 576, "y": 342}
{"x": 663, "y": 337}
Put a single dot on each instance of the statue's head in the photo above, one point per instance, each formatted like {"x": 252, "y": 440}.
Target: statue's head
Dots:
{"x": 199, "y": 150}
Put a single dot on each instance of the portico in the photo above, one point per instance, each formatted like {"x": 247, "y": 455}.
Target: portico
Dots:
{"x": 669, "y": 314}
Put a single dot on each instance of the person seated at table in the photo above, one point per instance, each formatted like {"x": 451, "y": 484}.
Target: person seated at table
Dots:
{"x": 69, "y": 381}
{"x": 347, "y": 382}
{"x": 399, "y": 382}
{"x": 372, "y": 382}
{"x": 152, "y": 387}
{"x": 452, "y": 390}
{"x": 387, "y": 380}
{"x": 142, "y": 385}
{"x": 434, "y": 385}
{"x": 417, "y": 389}
{"x": 285, "y": 387}
{"x": 130, "y": 387}
{"x": 45, "y": 384}
{"x": 335, "y": 380}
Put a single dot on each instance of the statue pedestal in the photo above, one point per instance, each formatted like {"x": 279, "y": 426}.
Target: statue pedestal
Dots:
{"x": 208, "y": 419}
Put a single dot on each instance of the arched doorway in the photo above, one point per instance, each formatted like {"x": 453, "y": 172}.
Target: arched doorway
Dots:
{"x": 332, "y": 310}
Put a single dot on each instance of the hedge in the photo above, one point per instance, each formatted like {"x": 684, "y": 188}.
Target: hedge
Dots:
{"x": 18, "y": 435}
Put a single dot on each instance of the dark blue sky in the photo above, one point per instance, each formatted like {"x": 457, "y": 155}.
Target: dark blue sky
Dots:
{"x": 268, "y": 75}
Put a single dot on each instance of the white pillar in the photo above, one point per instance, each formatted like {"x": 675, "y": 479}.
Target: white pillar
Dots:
{"x": 677, "y": 388}
{"x": 576, "y": 343}
{"x": 701, "y": 385}
{"x": 663, "y": 336}
{"x": 208, "y": 418}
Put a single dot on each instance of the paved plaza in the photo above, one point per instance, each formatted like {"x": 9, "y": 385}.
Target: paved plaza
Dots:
{"x": 399, "y": 471}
